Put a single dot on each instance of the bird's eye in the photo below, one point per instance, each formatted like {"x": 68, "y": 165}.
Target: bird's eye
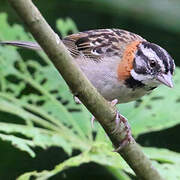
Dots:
{"x": 152, "y": 63}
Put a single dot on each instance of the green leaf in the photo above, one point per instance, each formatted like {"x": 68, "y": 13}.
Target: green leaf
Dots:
{"x": 66, "y": 26}
{"x": 93, "y": 155}
{"x": 118, "y": 173}
{"x": 13, "y": 32}
{"x": 166, "y": 161}
{"x": 38, "y": 95}
{"x": 22, "y": 144}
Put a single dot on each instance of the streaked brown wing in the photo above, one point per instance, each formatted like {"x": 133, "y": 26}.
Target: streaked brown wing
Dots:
{"x": 96, "y": 44}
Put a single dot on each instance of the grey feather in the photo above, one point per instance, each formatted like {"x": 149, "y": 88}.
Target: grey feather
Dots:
{"x": 24, "y": 44}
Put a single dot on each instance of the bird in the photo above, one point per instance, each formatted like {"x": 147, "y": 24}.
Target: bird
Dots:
{"x": 122, "y": 65}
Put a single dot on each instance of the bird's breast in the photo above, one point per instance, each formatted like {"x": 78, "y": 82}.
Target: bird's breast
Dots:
{"x": 103, "y": 75}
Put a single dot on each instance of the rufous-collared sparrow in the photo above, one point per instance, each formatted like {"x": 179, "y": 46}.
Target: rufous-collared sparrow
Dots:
{"x": 120, "y": 64}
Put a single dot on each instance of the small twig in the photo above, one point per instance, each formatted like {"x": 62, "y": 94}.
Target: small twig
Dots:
{"x": 80, "y": 86}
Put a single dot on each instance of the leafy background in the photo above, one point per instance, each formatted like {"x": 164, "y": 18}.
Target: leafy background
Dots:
{"x": 45, "y": 135}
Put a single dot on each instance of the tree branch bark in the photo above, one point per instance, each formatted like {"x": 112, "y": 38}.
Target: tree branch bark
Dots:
{"x": 81, "y": 87}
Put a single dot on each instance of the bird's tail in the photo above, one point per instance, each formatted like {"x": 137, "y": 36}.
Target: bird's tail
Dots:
{"x": 24, "y": 44}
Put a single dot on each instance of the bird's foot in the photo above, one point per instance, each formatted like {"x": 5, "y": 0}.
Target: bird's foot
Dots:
{"x": 118, "y": 120}
{"x": 128, "y": 137}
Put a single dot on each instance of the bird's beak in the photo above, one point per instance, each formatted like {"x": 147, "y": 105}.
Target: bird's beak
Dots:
{"x": 166, "y": 79}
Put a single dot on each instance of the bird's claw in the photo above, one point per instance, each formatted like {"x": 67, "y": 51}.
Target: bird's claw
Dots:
{"x": 118, "y": 120}
{"x": 128, "y": 137}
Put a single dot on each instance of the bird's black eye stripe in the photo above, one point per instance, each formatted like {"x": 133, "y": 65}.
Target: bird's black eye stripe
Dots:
{"x": 160, "y": 53}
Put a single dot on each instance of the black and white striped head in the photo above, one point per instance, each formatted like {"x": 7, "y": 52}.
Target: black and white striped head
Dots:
{"x": 153, "y": 65}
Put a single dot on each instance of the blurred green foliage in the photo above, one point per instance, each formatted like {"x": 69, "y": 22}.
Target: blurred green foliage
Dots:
{"x": 38, "y": 111}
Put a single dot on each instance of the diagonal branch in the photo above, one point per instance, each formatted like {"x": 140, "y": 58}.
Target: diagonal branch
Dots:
{"x": 80, "y": 86}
